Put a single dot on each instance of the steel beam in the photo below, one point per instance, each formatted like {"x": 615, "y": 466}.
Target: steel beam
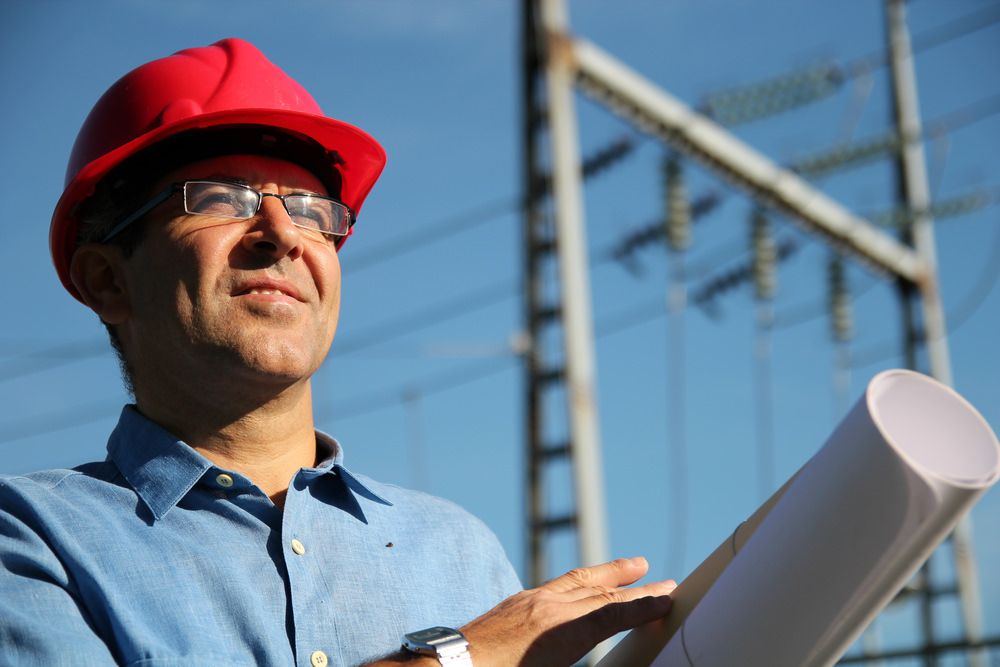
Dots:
{"x": 575, "y": 287}
{"x": 653, "y": 110}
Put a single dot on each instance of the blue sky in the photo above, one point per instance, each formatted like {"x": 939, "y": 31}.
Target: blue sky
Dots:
{"x": 437, "y": 83}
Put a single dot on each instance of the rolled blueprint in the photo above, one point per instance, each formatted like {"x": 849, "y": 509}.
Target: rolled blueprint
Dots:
{"x": 836, "y": 544}
{"x": 644, "y": 643}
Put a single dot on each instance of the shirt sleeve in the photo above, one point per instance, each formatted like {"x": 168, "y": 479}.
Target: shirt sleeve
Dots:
{"x": 42, "y": 621}
{"x": 487, "y": 562}
{"x": 505, "y": 577}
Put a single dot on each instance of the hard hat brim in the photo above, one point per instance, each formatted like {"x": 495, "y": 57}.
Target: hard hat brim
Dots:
{"x": 362, "y": 160}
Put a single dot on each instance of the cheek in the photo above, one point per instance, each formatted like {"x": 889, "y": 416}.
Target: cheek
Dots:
{"x": 178, "y": 273}
{"x": 328, "y": 283}
{"x": 202, "y": 259}
{"x": 334, "y": 301}
{"x": 326, "y": 272}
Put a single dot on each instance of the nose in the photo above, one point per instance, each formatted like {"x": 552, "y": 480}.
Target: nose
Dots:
{"x": 272, "y": 232}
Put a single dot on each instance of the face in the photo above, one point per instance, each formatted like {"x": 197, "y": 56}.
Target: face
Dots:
{"x": 246, "y": 300}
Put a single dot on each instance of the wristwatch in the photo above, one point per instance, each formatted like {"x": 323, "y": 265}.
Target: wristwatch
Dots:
{"x": 448, "y": 645}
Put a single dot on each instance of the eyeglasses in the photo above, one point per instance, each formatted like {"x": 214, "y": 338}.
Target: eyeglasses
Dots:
{"x": 235, "y": 201}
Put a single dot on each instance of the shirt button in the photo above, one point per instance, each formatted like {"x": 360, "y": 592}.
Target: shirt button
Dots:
{"x": 300, "y": 549}
{"x": 224, "y": 480}
{"x": 318, "y": 659}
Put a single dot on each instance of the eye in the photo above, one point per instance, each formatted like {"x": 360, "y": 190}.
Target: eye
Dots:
{"x": 219, "y": 199}
{"x": 310, "y": 212}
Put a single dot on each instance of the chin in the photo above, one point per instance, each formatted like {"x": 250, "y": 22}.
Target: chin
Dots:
{"x": 271, "y": 355}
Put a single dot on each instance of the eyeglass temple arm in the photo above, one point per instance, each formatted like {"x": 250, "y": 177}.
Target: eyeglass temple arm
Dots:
{"x": 143, "y": 210}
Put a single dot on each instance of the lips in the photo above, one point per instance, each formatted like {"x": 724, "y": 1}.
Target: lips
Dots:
{"x": 267, "y": 287}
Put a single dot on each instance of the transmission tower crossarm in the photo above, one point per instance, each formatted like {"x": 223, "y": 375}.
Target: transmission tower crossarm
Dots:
{"x": 653, "y": 110}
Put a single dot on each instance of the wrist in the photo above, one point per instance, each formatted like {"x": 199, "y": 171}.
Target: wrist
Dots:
{"x": 404, "y": 658}
{"x": 447, "y": 646}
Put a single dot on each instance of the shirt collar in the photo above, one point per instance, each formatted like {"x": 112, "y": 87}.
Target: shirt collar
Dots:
{"x": 333, "y": 458}
{"x": 162, "y": 469}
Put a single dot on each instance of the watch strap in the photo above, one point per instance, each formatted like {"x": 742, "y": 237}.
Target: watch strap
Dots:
{"x": 448, "y": 645}
{"x": 461, "y": 659}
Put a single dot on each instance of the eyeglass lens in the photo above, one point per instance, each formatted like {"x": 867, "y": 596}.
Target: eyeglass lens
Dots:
{"x": 230, "y": 200}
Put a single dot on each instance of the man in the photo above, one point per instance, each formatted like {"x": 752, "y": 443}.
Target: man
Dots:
{"x": 206, "y": 199}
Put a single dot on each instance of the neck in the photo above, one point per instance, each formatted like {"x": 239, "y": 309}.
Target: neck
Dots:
{"x": 267, "y": 439}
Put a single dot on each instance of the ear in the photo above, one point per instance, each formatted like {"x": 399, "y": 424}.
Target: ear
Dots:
{"x": 98, "y": 274}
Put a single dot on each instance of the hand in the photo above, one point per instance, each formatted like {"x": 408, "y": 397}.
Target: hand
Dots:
{"x": 561, "y": 620}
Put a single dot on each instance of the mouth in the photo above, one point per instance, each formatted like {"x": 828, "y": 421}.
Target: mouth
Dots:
{"x": 268, "y": 289}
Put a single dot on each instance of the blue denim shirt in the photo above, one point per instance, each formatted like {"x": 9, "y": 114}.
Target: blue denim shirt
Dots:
{"x": 156, "y": 556}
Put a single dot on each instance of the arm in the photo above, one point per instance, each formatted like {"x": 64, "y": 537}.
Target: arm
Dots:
{"x": 561, "y": 620}
{"x": 41, "y": 620}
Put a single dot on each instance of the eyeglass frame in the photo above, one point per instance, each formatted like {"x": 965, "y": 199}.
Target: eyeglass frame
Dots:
{"x": 180, "y": 186}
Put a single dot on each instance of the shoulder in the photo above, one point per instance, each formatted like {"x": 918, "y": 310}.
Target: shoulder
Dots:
{"x": 461, "y": 543}
{"x": 423, "y": 508}
{"x": 73, "y": 488}
{"x": 46, "y": 515}
{"x": 50, "y": 481}
{"x": 452, "y": 526}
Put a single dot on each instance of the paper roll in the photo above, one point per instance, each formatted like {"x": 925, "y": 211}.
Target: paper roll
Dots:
{"x": 642, "y": 645}
{"x": 849, "y": 530}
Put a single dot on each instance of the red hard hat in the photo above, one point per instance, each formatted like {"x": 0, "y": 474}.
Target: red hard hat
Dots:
{"x": 229, "y": 83}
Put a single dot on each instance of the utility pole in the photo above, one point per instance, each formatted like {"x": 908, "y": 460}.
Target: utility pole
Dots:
{"x": 914, "y": 195}
{"x": 560, "y": 240}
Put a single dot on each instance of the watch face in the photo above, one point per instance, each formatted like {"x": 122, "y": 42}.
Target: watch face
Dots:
{"x": 431, "y": 635}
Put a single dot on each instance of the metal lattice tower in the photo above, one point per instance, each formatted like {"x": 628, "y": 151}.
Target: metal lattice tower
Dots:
{"x": 557, "y": 288}
{"x": 558, "y": 360}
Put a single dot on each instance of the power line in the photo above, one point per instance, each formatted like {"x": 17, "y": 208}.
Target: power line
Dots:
{"x": 425, "y": 234}
{"x": 430, "y": 384}
{"x": 594, "y": 164}
{"x": 977, "y": 296}
{"x": 928, "y": 39}
{"x": 941, "y": 209}
{"x": 633, "y": 317}
{"x": 956, "y": 29}
{"x": 66, "y": 353}
{"x": 473, "y": 371}
{"x": 493, "y": 293}
{"x": 964, "y": 312}
{"x": 395, "y": 327}
{"x": 489, "y": 211}
{"x": 53, "y": 357}
{"x": 377, "y": 333}
{"x": 964, "y": 116}
{"x": 807, "y": 312}
{"x": 376, "y": 400}
{"x": 728, "y": 280}
{"x": 59, "y": 420}
{"x": 778, "y": 94}
{"x": 654, "y": 232}
{"x": 731, "y": 278}
{"x": 846, "y": 155}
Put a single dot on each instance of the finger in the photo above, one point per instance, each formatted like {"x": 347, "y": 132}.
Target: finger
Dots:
{"x": 620, "y": 572}
{"x": 665, "y": 587}
{"x": 585, "y": 592}
{"x": 604, "y": 596}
